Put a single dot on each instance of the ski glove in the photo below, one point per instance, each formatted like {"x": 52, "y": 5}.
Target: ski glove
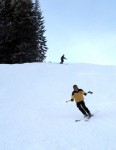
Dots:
{"x": 72, "y": 100}
{"x": 90, "y": 92}
{"x": 85, "y": 94}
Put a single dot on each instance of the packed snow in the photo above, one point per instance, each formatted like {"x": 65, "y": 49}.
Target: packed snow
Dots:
{"x": 34, "y": 114}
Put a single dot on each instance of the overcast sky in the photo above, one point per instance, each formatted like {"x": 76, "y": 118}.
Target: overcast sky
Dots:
{"x": 83, "y": 30}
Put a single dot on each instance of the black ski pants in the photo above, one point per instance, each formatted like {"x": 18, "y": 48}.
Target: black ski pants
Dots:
{"x": 82, "y": 107}
{"x": 62, "y": 60}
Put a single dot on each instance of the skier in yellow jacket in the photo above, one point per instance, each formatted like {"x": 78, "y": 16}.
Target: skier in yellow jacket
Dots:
{"x": 78, "y": 96}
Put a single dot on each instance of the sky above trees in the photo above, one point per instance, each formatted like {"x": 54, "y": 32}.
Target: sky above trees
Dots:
{"x": 82, "y": 30}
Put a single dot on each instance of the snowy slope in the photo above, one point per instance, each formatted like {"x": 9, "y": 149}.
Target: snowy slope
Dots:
{"x": 34, "y": 114}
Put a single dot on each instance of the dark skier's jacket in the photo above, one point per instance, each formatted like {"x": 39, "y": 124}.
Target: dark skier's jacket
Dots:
{"x": 62, "y": 58}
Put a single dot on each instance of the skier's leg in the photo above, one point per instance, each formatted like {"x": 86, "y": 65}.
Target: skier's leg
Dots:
{"x": 81, "y": 108}
{"x": 85, "y": 108}
{"x": 61, "y": 61}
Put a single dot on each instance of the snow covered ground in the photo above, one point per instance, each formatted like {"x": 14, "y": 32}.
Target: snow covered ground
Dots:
{"x": 34, "y": 114}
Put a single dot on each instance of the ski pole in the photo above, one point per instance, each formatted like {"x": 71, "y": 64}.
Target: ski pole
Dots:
{"x": 68, "y": 101}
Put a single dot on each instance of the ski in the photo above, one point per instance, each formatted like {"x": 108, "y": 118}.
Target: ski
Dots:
{"x": 85, "y": 119}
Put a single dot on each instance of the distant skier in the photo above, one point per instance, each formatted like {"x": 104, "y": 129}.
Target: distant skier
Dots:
{"x": 62, "y": 59}
{"x": 78, "y": 96}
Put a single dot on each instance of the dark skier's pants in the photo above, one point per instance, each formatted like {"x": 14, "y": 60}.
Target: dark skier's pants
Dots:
{"x": 82, "y": 107}
{"x": 62, "y": 60}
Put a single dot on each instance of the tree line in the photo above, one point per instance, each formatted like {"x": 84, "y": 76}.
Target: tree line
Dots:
{"x": 22, "y": 31}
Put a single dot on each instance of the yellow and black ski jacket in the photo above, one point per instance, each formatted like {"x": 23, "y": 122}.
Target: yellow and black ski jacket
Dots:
{"x": 78, "y": 96}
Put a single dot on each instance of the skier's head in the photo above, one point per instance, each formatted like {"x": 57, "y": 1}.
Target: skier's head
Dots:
{"x": 75, "y": 87}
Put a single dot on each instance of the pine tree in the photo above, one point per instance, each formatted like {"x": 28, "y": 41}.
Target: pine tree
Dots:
{"x": 42, "y": 47}
{"x": 21, "y": 32}
{"x": 5, "y": 31}
{"x": 25, "y": 31}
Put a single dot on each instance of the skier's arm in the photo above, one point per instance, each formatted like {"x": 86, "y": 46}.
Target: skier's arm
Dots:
{"x": 87, "y": 93}
{"x": 72, "y": 98}
{"x": 84, "y": 93}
